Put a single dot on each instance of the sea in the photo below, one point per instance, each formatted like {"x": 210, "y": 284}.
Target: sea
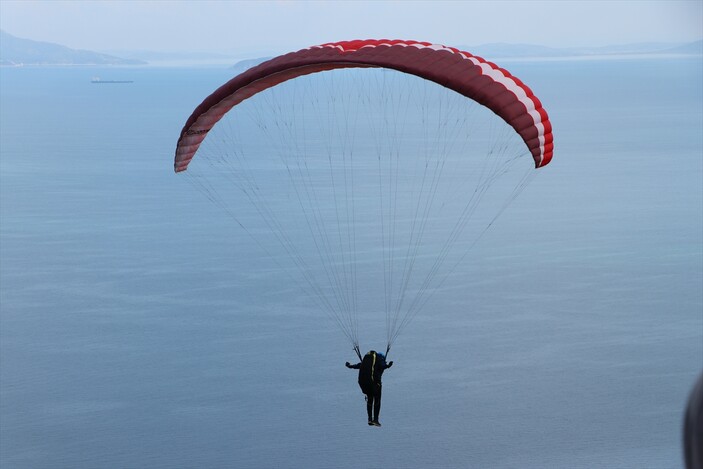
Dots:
{"x": 139, "y": 330}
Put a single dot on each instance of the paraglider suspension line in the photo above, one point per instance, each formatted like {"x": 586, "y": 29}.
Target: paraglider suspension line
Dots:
{"x": 358, "y": 352}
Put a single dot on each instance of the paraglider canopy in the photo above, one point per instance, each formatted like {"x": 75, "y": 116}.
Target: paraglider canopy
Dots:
{"x": 467, "y": 74}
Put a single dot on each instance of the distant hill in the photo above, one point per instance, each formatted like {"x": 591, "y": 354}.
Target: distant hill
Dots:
{"x": 494, "y": 51}
{"x": 244, "y": 65}
{"x": 499, "y": 50}
{"x": 174, "y": 57}
{"x": 18, "y": 51}
{"x": 691, "y": 48}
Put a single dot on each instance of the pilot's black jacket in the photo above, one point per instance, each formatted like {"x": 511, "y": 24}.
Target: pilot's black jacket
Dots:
{"x": 371, "y": 370}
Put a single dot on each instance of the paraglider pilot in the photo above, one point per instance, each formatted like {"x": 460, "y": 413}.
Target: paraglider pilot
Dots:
{"x": 370, "y": 369}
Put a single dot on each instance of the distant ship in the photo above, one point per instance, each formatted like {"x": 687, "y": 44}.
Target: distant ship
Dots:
{"x": 99, "y": 80}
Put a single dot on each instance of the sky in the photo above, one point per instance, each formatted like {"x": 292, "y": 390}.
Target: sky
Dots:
{"x": 281, "y": 26}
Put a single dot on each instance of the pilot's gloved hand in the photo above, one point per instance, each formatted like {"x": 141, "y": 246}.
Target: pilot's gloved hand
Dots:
{"x": 390, "y": 363}
{"x": 347, "y": 364}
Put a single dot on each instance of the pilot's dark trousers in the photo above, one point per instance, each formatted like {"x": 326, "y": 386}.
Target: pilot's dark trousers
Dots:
{"x": 373, "y": 402}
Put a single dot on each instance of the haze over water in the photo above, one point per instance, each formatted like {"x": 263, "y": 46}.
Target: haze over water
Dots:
{"x": 136, "y": 332}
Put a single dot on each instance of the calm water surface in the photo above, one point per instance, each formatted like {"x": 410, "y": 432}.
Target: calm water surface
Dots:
{"x": 136, "y": 332}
